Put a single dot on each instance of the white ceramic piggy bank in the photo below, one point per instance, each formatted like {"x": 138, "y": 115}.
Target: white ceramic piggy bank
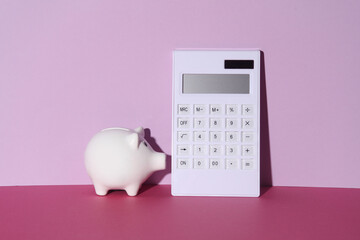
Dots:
{"x": 120, "y": 158}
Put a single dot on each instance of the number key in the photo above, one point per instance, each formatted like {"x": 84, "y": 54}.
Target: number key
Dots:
{"x": 199, "y": 136}
{"x": 215, "y": 136}
{"x": 200, "y": 150}
{"x": 231, "y": 150}
{"x": 199, "y": 163}
{"x": 231, "y": 122}
{"x": 215, "y": 163}
{"x": 231, "y": 136}
{"x": 199, "y": 123}
{"x": 215, "y": 122}
{"x": 215, "y": 150}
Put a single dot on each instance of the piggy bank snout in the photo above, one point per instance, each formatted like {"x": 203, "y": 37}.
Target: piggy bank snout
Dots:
{"x": 158, "y": 161}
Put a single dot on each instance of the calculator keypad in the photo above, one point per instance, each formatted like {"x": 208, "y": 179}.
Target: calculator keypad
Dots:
{"x": 216, "y": 136}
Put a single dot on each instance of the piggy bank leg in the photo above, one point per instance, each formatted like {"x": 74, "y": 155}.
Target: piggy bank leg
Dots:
{"x": 132, "y": 190}
{"x": 100, "y": 189}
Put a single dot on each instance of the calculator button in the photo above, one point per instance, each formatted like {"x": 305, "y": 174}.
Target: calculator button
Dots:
{"x": 247, "y": 164}
{"x": 215, "y": 136}
{"x": 231, "y": 109}
{"x": 199, "y": 163}
{"x": 183, "y": 136}
{"x": 215, "y": 123}
{"x": 183, "y": 149}
{"x": 215, "y": 150}
{"x": 247, "y": 136}
{"x": 183, "y": 163}
{"x": 215, "y": 109}
{"x": 231, "y": 136}
{"x": 200, "y": 109}
{"x": 231, "y": 123}
{"x": 199, "y": 122}
{"x": 199, "y": 136}
{"x": 247, "y": 150}
{"x": 183, "y": 123}
{"x": 247, "y": 109}
{"x": 215, "y": 163}
{"x": 231, "y": 163}
{"x": 200, "y": 150}
{"x": 183, "y": 109}
{"x": 231, "y": 150}
{"x": 247, "y": 123}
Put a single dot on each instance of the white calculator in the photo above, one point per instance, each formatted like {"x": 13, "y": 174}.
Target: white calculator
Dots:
{"x": 216, "y": 123}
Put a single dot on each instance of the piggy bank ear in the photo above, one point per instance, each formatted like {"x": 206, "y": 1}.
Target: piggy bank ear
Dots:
{"x": 133, "y": 140}
{"x": 140, "y": 131}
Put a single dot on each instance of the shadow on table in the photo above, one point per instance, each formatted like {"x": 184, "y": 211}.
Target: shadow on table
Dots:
{"x": 265, "y": 154}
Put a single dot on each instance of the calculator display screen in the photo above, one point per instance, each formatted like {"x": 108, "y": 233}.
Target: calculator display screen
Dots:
{"x": 216, "y": 83}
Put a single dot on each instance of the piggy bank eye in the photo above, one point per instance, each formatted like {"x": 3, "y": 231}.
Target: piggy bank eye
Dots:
{"x": 145, "y": 144}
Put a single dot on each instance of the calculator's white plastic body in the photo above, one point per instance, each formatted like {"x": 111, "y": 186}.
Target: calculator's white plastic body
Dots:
{"x": 222, "y": 181}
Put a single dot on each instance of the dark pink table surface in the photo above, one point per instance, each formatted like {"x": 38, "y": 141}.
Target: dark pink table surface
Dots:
{"x": 75, "y": 212}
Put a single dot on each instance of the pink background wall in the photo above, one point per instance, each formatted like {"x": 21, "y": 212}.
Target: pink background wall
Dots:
{"x": 71, "y": 68}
